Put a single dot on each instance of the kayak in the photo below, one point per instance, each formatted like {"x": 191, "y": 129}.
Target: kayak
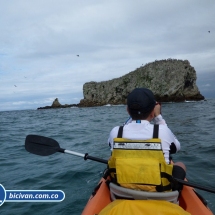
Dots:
{"x": 189, "y": 201}
{"x": 111, "y": 199}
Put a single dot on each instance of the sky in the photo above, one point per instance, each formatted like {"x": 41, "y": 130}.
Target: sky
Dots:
{"x": 49, "y": 49}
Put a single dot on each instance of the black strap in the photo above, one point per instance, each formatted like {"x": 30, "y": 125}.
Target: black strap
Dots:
{"x": 120, "y": 132}
{"x": 161, "y": 188}
{"x": 155, "y": 132}
{"x": 113, "y": 175}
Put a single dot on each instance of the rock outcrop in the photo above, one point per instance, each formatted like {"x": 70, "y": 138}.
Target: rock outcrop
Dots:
{"x": 56, "y": 104}
{"x": 170, "y": 80}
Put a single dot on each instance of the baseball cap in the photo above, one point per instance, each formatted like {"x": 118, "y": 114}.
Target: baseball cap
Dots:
{"x": 141, "y": 100}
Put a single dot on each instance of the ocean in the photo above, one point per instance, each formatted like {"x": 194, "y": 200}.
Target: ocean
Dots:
{"x": 86, "y": 130}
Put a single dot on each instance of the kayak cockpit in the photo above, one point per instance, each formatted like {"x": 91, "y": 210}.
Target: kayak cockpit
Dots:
{"x": 118, "y": 192}
{"x": 103, "y": 196}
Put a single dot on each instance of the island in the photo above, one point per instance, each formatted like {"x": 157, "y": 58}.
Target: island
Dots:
{"x": 171, "y": 80}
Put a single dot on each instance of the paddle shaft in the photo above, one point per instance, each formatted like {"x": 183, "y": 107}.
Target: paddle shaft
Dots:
{"x": 190, "y": 184}
{"x": 85, "y": 156}
{"x": 45, "y": 146}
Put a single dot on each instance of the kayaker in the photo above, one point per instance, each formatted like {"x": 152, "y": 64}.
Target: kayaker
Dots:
{"x": 143, "y": 109}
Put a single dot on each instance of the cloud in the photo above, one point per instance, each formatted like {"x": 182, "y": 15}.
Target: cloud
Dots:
{"x": 206, "y": 85}
{"x": 40, "y": 41}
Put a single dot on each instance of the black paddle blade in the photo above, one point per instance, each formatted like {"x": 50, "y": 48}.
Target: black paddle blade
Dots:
{"x": 40, "y": 145}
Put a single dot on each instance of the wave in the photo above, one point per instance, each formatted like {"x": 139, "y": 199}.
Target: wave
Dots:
{"x": 189, "y": 101}
{"x": 110, "y": 105}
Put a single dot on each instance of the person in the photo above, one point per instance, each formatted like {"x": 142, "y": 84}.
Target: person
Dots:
{"x": 143, "y": 109}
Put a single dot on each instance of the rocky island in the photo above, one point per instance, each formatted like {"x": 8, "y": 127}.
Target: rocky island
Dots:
{"x": 170, "y": 80}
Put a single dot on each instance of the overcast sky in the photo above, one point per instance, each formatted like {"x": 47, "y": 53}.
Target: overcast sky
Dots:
{"x": 40, "y": 41}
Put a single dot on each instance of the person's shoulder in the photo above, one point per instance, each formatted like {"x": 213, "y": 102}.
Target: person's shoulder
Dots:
{"x": 116, "y": 128}
{"x": 113, "y": 133}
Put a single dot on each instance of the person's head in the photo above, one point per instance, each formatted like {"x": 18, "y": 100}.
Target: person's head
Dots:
{"x": 140, "y": 103}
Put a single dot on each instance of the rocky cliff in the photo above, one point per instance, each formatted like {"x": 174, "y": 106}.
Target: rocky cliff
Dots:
{"x": 170, "y": 80}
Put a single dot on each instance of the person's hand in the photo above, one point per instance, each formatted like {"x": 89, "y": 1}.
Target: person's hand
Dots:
{"x": 157, "y": 109}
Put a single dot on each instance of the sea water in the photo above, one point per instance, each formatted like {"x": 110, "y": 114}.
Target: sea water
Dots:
{"x": 85, "y": 130}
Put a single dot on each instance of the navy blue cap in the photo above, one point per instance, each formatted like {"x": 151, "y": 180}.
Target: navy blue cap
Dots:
{"x": 141, "y": 100}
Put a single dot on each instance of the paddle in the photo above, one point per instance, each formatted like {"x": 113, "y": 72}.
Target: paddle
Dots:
{"x": 44, "y": 146}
